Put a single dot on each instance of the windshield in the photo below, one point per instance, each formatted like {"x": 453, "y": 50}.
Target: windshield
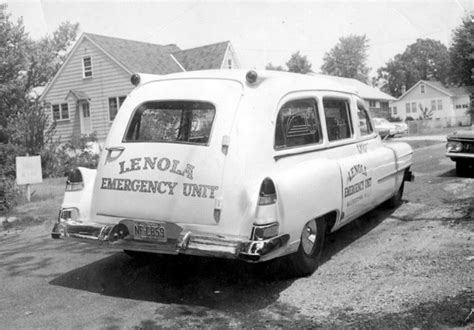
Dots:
{"x": 171, "y": 121}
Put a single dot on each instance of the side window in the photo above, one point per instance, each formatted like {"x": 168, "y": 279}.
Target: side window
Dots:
{"x": 338, "y": 118}
{"x": 364, "y": 121}
{"x": 297, "y": 124}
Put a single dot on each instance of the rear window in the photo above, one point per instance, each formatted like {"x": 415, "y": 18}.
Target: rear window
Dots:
{"x": 172, "y": 122}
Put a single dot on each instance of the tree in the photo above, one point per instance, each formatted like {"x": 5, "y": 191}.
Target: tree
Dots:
{"x": 423, "y": 60}
{"x": 461, "y": 53}
{"x": 299, "y": 64}
{"x": 270, "y": 66}
{"x": 14, "y": 46}
{"x": 48, "y": 54}
{"x": 348, "y": 58}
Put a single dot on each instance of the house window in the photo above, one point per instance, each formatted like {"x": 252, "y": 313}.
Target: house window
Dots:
{"x": 413, "y": 107}
{"x": 372, "y": 104}
{"x": 440, "y": 104}
{"x": 60, "y": 111}
{"x": 433, "y": 105}
{"x": 87, "y": 67}
{"x": 407, "y": 107}
{"x": 229, "y": 63}
{"x": 114, "y": 104}
{"x": 422, "y": 89}
{"x": 394, "y": 111}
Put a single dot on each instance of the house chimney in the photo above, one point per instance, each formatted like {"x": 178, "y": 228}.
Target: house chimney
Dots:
{"x": 404, "y": 89}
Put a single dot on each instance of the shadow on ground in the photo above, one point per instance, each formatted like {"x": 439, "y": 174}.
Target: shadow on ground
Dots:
{"x": 220, "y": 284}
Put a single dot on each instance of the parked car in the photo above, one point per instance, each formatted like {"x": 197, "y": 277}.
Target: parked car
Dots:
{"x": 234, "y": 164}
{"x": 460, "y": 148}
{"x": 382, "y": 126}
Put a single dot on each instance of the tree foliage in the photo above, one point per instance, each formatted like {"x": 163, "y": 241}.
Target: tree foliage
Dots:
{"x": 423, "y": 60}
{"x": 270, "y": 66}
{"x": 299, "y": 63}
{"x": 348, "y": 58}
{"x": 462, "y": 53}
{"x": 27, "y": 63}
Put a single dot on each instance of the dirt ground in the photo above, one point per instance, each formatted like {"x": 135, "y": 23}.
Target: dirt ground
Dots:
{"x": 409, "y": 267}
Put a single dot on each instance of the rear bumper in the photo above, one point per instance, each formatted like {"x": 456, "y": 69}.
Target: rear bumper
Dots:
{"x": 115, "y": 236}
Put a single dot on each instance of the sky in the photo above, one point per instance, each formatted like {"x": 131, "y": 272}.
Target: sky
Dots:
{"x": 260, "y": 31}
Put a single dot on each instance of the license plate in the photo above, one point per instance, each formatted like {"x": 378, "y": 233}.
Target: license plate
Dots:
{"x": 150, "y": 231}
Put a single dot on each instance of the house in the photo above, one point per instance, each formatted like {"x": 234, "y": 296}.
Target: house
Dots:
{"x": 431, "y": 100}
{"x": 376, "y": 101}
{"x": 89, "y": 88}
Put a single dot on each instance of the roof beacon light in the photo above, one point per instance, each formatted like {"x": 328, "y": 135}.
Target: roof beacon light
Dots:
{"x": 135, "y": 79}
{"x": 251, "y": 77}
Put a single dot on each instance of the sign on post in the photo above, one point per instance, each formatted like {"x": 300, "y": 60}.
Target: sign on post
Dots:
{"x": 28, "y": 171}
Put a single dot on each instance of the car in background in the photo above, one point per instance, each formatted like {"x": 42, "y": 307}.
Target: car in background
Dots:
{"x": 460, "y": 148}
{"x": 382, "y": 126}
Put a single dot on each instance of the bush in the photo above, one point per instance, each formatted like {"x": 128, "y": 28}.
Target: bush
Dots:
{"x": 59, "y": 158}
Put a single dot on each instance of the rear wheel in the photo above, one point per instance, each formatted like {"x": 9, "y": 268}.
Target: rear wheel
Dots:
{"x": 306, "y": 260}
{"x": 137, "y": 254}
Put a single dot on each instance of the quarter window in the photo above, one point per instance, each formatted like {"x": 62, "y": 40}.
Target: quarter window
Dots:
{"x": 87, "y": 67}
{"x": 60, "y": 111}
{"x": 364, "y": 122}
{"x": 338, "y": 118}
{"x": 114, "y": 104}
{"x": 297, "y": 124}
{"x": 172, "y": 122}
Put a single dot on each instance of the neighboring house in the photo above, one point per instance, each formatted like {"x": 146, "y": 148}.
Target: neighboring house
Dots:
{"x": 430, "y": 99}
{"x": 88, "y": 90}
{"x": 377, "y": 101}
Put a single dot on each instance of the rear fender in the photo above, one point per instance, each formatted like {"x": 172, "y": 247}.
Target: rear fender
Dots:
{"x": 81, "y": 199}
{"x": 306, "y": 191}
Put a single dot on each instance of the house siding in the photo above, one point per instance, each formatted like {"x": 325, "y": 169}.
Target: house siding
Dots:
{"x": 229, "y": 55}
{"x": 108, "y": 80}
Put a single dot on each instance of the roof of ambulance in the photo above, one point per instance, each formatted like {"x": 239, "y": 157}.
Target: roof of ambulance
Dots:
{"x": 284, "y": 80}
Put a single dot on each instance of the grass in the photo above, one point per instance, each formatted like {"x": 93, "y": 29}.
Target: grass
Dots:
{"x": 46, "y": 199}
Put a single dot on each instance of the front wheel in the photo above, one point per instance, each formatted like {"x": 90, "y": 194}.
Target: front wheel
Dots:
{"x": 461, "y": 168}
{"x": 306, "y": 260}
{"x": 396, "y": 200}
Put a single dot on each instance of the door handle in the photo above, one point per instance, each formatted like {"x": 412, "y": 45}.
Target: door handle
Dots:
{"x": 110, "y": 149}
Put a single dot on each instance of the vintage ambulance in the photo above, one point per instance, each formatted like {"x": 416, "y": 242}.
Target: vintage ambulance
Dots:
{"x": 235, "y": 164}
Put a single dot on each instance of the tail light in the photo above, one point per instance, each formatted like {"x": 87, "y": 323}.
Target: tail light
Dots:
{"x": 267, "y": 195}
{"x": 74, "y": 180}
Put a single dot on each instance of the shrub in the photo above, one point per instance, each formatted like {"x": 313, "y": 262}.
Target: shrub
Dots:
{"x": 59, "y": 158}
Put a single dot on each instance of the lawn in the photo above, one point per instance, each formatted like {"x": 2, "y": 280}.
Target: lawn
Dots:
{"x": 46, "y": 199}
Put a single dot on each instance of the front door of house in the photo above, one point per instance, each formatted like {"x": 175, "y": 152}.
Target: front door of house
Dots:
{"x": 85, "y": 115}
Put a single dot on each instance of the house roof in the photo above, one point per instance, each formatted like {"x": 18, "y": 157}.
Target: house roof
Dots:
{"x": 143, "y": 57}
{"x": 138, "y": 56}
{"x": 450, "y": 91}
{"x": 365, "y": 91}
{"x": 203, "y": 58}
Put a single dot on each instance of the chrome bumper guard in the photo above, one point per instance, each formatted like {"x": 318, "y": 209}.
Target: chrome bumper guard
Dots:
{"x": 117, "y": 236}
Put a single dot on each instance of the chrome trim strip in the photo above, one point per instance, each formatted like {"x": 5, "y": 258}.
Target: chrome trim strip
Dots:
{"x": 387, "y": 176}
{"x": 321, "y": 147}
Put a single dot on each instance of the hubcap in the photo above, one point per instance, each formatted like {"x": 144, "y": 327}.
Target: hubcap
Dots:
{"x": 308, "y": 238}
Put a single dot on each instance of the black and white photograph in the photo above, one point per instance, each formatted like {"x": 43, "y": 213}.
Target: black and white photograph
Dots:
{"x": 236, "y": 164}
